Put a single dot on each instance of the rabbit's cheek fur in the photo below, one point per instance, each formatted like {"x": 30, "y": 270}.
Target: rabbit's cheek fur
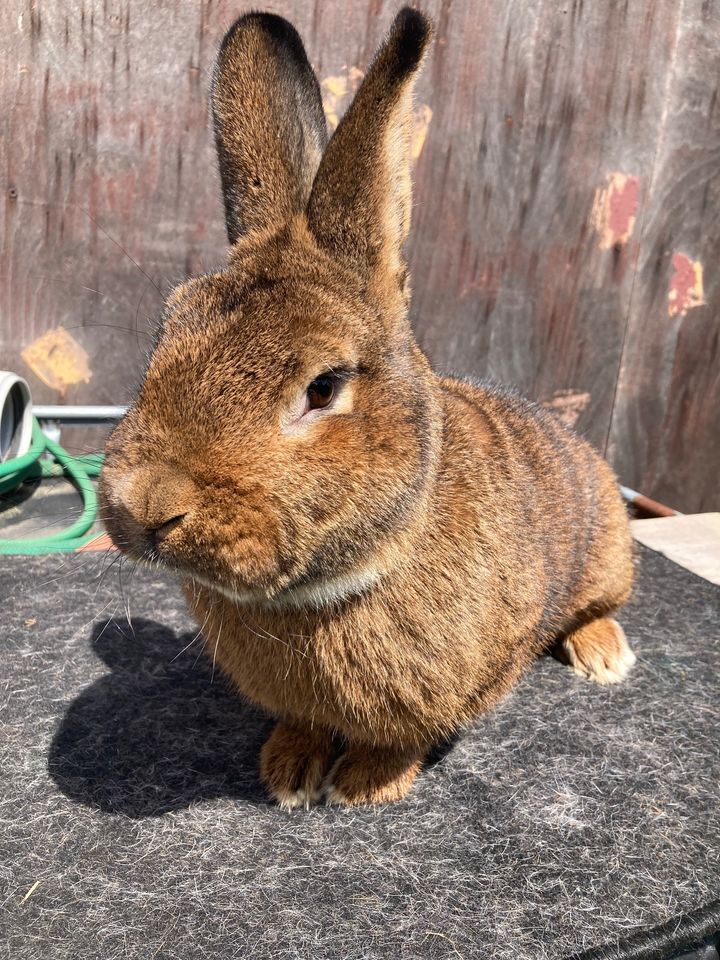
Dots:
{"x": 284, "y": 512}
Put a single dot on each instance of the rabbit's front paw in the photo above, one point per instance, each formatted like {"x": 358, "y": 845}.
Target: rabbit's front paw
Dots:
{"x": 293, "y": 763}
{"x": 371, "y": 775}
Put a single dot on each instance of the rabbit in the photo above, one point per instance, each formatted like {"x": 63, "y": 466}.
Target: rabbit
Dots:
{"x": 374, "y": 552}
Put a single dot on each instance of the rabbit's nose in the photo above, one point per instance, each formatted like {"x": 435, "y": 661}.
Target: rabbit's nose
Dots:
{"x": 142, "y": 507}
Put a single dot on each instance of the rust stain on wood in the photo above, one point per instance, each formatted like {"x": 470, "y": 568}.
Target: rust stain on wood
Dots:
{"x": 567, "y": 405}
{"x": 615, "y": 209}
{"x": 58, "y": 360}
{"x": 686, "y": 285}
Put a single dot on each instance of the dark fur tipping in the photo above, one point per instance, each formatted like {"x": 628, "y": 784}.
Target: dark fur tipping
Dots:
{"x": 381, "y": 571}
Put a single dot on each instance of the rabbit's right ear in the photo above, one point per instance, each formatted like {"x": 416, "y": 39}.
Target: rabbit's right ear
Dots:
{"x": 270, "y": 128}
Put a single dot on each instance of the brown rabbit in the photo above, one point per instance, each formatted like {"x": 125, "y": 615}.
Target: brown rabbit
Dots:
{"x": 374, "y": 552}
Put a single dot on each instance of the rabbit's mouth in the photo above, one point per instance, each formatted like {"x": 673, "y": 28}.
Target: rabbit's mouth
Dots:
{"x": 242, "y": 566}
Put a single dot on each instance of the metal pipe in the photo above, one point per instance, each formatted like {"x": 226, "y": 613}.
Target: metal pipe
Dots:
{"x": 78, "y": 414}
{"x": 647, "y": 505}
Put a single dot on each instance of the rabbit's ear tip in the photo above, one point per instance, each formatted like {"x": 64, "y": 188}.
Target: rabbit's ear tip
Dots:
{"x": 413, "y": 21}
{"x": 270, "y": 24}
{"x": 412, "y": 31}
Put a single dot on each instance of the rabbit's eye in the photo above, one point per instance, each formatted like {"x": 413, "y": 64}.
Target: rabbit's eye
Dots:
{"x": 320, "y": 392}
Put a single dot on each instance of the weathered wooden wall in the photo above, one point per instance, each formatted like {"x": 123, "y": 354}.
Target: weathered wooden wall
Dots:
{"x": 567, "y": 200}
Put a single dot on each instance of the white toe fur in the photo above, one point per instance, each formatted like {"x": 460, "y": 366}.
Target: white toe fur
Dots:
{"x": 333, "y": 796}
{"x": 604, "y": 666}
{"x": 297, "y": 799}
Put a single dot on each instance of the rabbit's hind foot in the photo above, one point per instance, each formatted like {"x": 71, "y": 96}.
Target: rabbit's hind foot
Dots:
{"x": 598, "y": 650}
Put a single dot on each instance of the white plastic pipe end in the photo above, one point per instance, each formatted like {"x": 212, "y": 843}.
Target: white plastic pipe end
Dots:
{"x": 15, "y": 416}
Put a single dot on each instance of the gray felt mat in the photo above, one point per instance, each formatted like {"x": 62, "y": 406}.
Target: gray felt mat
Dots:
{"x": 134, "y": 826}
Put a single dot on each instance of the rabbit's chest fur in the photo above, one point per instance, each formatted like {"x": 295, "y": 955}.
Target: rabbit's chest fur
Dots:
{"x": 372, "y": 671}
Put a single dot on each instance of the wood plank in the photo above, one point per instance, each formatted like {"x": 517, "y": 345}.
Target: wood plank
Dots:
{"x": 524, "y": 243}
{"x": 105, "y": 150}
{"x": 665, "y": 438}
{"x": 692, "y": 541}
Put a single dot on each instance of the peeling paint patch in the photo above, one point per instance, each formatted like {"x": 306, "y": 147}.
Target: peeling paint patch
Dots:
{"x": 615, "y": 209}
{"x": 686, "y": 285}
{"x": 422, "y": 115}
{"x": 567, "y": 405}
{"x": 58, "y": 360}
{"x": 336, "y": 90}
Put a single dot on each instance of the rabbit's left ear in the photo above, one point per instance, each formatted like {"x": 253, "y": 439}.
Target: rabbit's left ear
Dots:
{"x": 360, "y": 204}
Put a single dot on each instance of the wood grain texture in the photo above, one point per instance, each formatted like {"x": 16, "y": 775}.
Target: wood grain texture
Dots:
{"x": 545, "y": 102}
{"x": 665, "y": 433}
{"x": 571, "y": 151}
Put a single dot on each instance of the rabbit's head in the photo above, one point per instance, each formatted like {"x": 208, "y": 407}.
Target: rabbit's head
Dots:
{"x": 284, "y": 431}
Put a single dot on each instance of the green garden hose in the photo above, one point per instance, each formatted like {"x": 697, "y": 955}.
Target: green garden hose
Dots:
{"x": 78, "y": 470}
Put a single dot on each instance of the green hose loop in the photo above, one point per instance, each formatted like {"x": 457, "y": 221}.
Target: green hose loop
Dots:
{"x": 13, "y": 472}
{"x": 78, "y": 470}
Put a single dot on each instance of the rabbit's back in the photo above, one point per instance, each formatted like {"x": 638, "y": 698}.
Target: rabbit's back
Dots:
{"x": 550, "y": 508}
